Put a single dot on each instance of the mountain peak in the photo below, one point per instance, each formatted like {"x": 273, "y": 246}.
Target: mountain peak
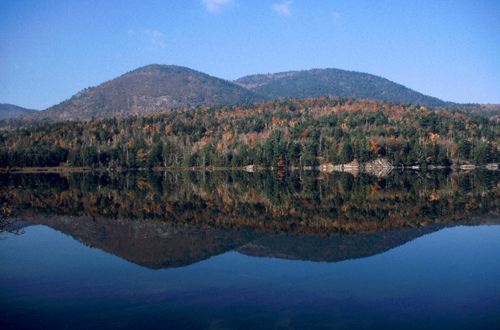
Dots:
{"x": 155, "y": 67}
{"x": 148, "y": 89}
{"x": 333, "y": 82}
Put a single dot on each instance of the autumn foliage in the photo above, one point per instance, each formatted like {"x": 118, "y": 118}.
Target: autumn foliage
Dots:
{"x": 288, "y": 133}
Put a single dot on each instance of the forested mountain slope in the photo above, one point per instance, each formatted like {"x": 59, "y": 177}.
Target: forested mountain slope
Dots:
{"x": 278, "y": 133}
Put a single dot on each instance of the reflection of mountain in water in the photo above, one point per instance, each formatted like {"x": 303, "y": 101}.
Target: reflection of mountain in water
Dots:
{"x": 343, "y": 247}
{"x": 148, "y": 243}
{"x": 164, "y": 245}
{"x": 175, "y": 219}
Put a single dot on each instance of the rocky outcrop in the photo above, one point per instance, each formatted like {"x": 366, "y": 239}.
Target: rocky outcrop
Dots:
{"x": 492, "y": 166}
{"x": 380, "y": 167}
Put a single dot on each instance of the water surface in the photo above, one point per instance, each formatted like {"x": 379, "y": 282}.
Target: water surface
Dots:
{"x": 233, "y": 250}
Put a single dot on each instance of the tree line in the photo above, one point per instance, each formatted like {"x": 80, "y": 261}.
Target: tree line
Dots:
{"x": 279, "y": 133}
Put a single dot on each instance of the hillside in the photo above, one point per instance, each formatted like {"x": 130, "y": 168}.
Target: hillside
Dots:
{"x": 288, "y": 133}
{"x": 333, "y": 82}
{"x": 10, "y": 111}
{"x": 155, "y": 88}
{"x": 145, "y": 90}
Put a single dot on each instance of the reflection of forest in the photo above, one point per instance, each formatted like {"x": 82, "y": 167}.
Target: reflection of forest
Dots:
{"x": 162, "y": 220}
{"x": 299, "y": 203}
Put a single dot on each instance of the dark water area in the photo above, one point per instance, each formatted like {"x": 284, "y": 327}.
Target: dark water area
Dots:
{"x": 228, "y": 250}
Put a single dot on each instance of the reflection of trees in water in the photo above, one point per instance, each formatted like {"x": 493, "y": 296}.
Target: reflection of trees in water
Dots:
{"x": 10, "y": 226}
{"x": 299, "y": 201}
{"x": 190, "y": 216}
{"x": 7, "y": 223}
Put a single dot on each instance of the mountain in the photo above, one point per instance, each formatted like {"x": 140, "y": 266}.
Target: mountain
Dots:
{"x": 155, "y": 87}
{"x": 333, "y": 82}
{"x": 9, "y": 111}
{"x": 148, "y": 89}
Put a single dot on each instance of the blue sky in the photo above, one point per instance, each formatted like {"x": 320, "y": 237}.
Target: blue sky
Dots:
{"x": 50, "y": 50}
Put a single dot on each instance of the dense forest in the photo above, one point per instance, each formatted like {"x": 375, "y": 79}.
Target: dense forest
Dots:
{"x": 286, "y": 133}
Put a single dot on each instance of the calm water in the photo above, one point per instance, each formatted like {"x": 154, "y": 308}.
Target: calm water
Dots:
{"x": 250, "y": 250}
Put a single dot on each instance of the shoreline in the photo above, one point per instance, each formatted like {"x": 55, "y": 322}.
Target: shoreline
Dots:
{"x": 327, "y": 168}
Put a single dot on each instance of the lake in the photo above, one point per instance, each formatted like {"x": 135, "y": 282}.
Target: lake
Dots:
{"x": 226, "y": 250}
